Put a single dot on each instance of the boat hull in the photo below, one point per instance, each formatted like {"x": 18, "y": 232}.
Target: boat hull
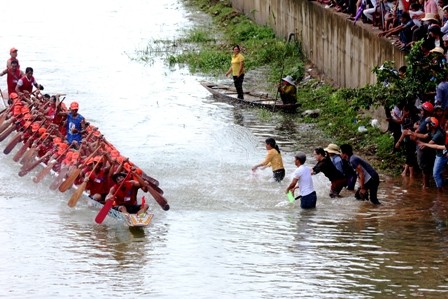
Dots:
{"x": 256, "y": 99}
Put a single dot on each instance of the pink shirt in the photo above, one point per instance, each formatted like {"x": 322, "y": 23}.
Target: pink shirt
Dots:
{"x": 431, "y": 7}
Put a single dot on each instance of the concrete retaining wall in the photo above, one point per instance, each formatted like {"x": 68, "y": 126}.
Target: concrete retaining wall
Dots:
{"x": 343, "y": 51}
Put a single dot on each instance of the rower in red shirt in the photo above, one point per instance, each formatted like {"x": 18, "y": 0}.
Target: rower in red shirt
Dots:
{"x": 124, "y": 193}
{"x": 26, "y": 83}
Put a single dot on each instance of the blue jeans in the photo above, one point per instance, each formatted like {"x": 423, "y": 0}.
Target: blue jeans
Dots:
{"x": 439, "y": 165}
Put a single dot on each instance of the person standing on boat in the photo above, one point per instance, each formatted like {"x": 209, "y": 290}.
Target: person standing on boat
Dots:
{"x": 13, "y": 76}
{"x": 26, "y": 83}
{"x": 302, "y": 179}
{"x": 273, "y": 159}
{"x": 288, "y": 90}
{"x": 13, "y": 54}
{"x": 237, "y": 71}
{"x": 75, "y": 125}
{"x": 124, "y": 194}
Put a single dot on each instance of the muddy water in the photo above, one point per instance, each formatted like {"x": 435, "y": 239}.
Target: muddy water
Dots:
{"x": 230, "y": 233}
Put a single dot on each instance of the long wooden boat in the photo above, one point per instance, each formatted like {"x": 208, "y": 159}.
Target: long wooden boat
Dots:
{"x": 257, "y": 99}
{"x": 131, "y": 220}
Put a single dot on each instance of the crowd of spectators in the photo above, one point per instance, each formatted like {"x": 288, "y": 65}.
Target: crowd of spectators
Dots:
{"x": 406, "y": 20}
{"x": 419, "y": 125}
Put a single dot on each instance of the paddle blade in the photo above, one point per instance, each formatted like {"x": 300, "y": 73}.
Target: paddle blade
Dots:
{"x": 20, "y": 153}
{"x": 8, "y": 131}
{"x": 60, "y": 177}
{"x": 103, "y": 212}
{"x": 70, "y": 180}
{"x": 27, "y": 168}
{"x": 27, "y": 157}
{"x": 12, "y": 144}
{"x": 291, "y": 197}
{"x": 76, "y": 195}
{"x": 159, "y": 198}
{"x": 44, "y": 172}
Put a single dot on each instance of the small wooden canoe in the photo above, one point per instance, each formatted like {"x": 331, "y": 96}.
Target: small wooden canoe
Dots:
{"x": 257, "y": 99}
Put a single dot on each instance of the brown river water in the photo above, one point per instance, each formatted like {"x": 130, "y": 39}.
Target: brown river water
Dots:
{"x": 230, "y": 233}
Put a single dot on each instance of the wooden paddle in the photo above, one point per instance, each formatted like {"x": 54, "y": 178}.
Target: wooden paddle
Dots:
{"x": 156, "y": 195}
{"x": 159, "y": 198}
{"x": 25, "y": 145}
{"x": 109, "y": 203}
{"x": 8, "y": 131}
{"x": 60, "y": 177}
{"x": 12, "y": 144}
{"x": 4, "y": 114}
{"x": 77, "y": 194}
{"x": 25, "y": 170}
{"x": 150, "y": 179}
{"x": 22, "y": 150}
{"x": 29, "y": 156}
{"x": 71, "y": 179}
{"x": 48, "y": 168}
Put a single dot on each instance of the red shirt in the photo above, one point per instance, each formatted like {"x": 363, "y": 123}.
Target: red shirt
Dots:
{"x": 11, "y": 79}
{"x": 98, "y": 182}
{"x": 27, "y": 84}
{"x": 126, "y": 195}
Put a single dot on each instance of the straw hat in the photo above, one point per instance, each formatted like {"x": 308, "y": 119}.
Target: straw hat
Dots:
{"x": 290, "y": 80}
{"x": 332, "y": 149}
{"x": 438, "y": 50}
{"x": 429, "y": 16}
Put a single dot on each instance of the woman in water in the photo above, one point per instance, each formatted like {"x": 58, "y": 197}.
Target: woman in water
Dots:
{"x": 273, "y": 159}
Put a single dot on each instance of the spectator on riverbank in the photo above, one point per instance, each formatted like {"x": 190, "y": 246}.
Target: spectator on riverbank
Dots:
{"x": 416, "y": 13}
{"x": 409, "y": 117}
{"x": 368, "y": 177}
{"x": 434, "y": 135}
{"x": 288, "y": 90}
{"x": 425, "y": 156}
{"x": 444, "y": 28}
{"x": 404, "y": 30}
{"x": 422, "y": 31}
{"x": 430, "y": 6}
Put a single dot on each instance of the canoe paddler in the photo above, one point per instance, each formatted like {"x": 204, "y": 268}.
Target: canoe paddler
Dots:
{"x": 98, "y": 179}
{"x": 125, "y": 197}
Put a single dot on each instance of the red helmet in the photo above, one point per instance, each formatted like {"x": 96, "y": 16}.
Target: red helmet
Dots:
{"x": 428, "y": 107}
